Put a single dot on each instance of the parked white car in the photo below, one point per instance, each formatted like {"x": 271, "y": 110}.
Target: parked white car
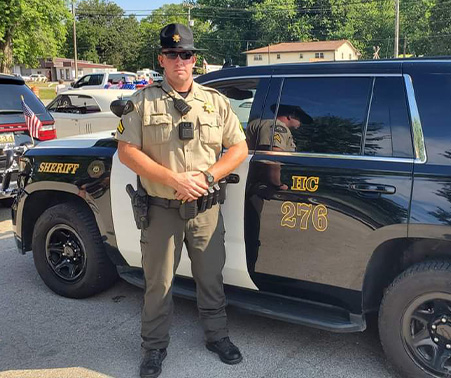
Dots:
{"x": 85, "y": 111}
{"x": 101, "y": 79}
{"x": 38, "y": 78}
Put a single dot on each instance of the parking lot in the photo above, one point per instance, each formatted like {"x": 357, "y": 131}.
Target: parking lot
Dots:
{"x": 44, "y": 335}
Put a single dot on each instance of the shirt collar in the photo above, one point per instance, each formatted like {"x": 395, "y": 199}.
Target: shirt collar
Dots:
{"x": 193, "y": 93}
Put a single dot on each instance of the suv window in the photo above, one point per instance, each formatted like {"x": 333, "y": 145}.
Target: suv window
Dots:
{"x": 75, "y": 104}
{"x": 433, "y": 95}
{"x": 388, "y": 131}
{"x": 332, "y": 112}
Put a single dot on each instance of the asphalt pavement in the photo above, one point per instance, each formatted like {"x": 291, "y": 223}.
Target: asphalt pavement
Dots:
{"x": 45, "y": 335}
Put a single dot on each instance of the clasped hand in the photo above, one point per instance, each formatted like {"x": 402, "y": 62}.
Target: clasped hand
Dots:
{"x": 190, "y": 186}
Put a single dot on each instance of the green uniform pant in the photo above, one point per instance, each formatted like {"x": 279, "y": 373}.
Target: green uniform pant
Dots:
{"x": 161, "y": 246}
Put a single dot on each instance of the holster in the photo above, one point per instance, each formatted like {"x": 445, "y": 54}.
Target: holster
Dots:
{"x": 140, "y": 205}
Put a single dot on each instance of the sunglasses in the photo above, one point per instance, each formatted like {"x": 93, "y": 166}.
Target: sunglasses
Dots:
{"x": 184, "y": 55}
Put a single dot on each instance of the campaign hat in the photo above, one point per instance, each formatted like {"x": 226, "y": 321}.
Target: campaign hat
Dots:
{"x": 177, "y": 37}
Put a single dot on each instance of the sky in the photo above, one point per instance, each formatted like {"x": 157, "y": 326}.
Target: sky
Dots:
{"x": 143, "y": 4}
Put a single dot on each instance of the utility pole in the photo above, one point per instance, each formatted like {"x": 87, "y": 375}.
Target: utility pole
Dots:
{"x": 75, "y": 41}
{"x": 396, "y": 28}
{"x": 189, "y": 5}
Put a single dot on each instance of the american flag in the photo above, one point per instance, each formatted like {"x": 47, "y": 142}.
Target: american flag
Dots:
{"x": 33, "y": 122}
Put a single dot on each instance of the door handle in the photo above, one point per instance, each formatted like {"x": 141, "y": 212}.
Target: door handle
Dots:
{"x": 233, "y": 178}
{"x": 374, "y": 188}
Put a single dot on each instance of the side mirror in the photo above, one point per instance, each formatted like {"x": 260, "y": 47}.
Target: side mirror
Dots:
{"x": 117, "y": 107}
{"x": 72, "y": 84}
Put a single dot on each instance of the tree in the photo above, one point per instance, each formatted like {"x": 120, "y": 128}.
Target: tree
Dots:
{"x": 105, "y": 34}
{"x": 150, "y": 27}
{"x": 31, "y": 29}
{"x": 440, "y": 22}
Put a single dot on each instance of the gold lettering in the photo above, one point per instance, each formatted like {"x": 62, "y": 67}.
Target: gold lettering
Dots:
{"x": 312, "y": 184}
{"x": 59, "y": 168}
{"x": 298, "y": 183}
{"x": 304, "y": 183}
{"x": 41, "y": 167}
{"x": 75, "y": 167}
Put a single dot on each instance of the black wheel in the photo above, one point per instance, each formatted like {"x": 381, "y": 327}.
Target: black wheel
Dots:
{"x": 69, "y": 254}
{"x": 415, "y": 320}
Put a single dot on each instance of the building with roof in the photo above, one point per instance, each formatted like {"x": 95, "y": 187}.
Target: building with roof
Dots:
{"x": 299, "y": 52}
{"x": 63, "y": 68}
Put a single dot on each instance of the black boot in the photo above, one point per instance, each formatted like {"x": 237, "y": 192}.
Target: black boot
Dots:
{"x": 151, "y": 363}
{"x": 227, "y": 351}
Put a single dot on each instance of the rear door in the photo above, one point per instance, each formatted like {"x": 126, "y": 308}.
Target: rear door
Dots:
{"x": 316, "y": 211}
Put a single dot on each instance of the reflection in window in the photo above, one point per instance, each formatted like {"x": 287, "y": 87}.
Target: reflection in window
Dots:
{"x": 388, "y": 131}
{"x": 241, "y": 96}
{"x": 333, "y": 113}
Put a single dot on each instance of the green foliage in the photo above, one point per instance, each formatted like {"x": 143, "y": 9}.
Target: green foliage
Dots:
{"x": 440, "y": 22}
{"x": 105, "y": 35}
{"x": 31, "y": 29}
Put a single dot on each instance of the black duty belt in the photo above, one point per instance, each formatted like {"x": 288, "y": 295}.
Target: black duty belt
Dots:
{"x": 166, "y": 203}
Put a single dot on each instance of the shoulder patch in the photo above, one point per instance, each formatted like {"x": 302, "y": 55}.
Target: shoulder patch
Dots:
{"x": 280, "y": 129}
{"x": 120, "y": 127}
{"x": 277, "y": 138}
{"x": 129, "y": 107}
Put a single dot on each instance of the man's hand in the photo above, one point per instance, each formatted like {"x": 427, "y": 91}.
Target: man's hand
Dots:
{"x": 190, "y": 185}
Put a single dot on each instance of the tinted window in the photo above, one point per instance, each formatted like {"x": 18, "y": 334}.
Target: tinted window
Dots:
{"x": 10, "y": 100}
{"x": 95, "y": 80}
{"x": 433, "y": 95}
{"x": 323, "y": 115}
{"x": 388, "y": 131}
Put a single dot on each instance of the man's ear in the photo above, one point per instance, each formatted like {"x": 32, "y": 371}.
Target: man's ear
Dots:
{"x": 160, "y": 60}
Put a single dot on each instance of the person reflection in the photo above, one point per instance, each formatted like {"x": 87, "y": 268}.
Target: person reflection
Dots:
{"x": 265, "y": 177}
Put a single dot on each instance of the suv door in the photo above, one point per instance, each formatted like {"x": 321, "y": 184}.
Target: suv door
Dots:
{"x": 330, "y": 180}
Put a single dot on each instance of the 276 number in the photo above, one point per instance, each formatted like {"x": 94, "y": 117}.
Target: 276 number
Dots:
{"x": 292, "y": 212}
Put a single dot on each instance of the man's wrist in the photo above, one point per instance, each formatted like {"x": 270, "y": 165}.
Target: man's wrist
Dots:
{"x": 209, "y": 177}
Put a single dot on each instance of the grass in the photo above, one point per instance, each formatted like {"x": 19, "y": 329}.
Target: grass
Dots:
{"x": 46, "y": 90}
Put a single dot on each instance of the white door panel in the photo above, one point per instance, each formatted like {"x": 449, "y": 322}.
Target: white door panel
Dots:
{"x": 128, "y": 236}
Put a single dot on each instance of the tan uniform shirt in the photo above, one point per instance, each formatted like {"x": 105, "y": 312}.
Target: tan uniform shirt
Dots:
{"x": 282, "y": 139}
{"x": 153, "y": 126}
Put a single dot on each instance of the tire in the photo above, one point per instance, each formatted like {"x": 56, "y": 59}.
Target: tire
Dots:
{"x": 415, "y": 321}
{"x": 69, "y": 254}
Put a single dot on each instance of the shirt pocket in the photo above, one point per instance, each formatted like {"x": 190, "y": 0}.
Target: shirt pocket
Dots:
{"x": 210, "y": 129}
{"x": 157, "y": 128}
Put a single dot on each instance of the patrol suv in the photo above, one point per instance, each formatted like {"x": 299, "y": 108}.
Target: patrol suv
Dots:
{"x": 355, "y": 218}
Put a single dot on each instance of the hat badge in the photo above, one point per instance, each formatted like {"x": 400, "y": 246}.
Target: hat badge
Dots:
{"x": 176, "y": 38}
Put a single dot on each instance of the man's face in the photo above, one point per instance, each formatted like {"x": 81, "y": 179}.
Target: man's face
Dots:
{"x": 294, "y": 123}
{"x": 177, "y": 69}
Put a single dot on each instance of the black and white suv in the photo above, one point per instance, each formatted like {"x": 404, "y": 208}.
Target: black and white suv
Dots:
{"x": 353, "y": 218}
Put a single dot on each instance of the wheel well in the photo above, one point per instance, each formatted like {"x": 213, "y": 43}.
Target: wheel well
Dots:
{"x": 393, "y": 257}
{"x": 36, "y": 203}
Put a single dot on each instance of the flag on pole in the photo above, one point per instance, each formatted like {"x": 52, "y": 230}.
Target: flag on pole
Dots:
{"x": 32, "y": 121}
